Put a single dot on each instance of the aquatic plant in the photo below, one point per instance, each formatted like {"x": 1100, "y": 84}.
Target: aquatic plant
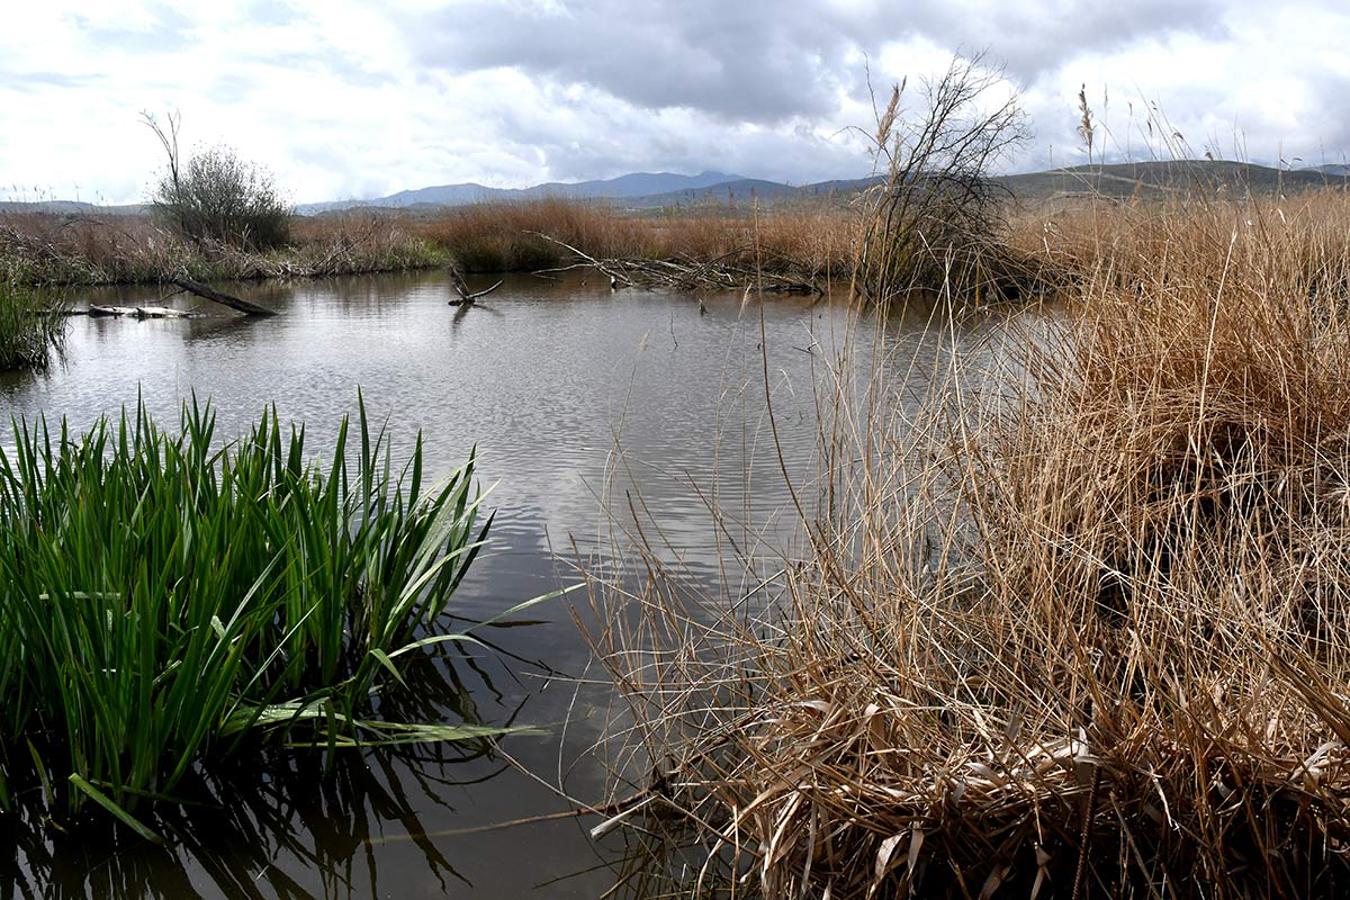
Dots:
{"x": 166, "y": 599}
{"x": 31, "y": 326}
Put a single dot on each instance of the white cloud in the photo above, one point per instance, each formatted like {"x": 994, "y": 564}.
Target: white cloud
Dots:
{"x": 344, "y": 98}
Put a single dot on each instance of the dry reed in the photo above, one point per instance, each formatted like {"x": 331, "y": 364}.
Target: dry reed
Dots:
{"x": 42, "y": 248}
{"x": 1077, "y": 627}
{"x": 807, "y": 241}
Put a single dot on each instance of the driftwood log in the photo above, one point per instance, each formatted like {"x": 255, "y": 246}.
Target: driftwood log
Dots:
{"x": 138, "y": 312}
{"x": 215, "y": 296}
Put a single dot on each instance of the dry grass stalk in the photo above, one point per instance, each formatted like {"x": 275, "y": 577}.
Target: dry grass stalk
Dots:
{"x": 1076, "y": 629}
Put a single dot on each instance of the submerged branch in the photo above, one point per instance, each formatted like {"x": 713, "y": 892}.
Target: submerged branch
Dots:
{"x": 466, "y": 296}
{"x": 215, "y": 296}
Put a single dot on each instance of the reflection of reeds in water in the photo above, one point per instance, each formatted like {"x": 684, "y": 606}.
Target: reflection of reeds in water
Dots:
{"x": 1081, "y": 632}
{"x": 307, "y": 829}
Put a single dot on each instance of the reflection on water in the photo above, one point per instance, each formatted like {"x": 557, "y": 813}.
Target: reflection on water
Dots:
{"x": 571, "y": 394}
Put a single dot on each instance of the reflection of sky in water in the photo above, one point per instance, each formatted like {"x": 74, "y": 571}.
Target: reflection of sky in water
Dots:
{"x": 577, "y": 399}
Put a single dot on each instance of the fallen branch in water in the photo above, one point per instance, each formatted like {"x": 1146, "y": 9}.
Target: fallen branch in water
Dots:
{"x": 684, "y": 275}
{"x": 466, "y": 296}
{"x": 209, "y": 293}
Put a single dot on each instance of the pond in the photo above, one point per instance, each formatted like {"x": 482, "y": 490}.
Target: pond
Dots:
{"x": 579, "y": 401}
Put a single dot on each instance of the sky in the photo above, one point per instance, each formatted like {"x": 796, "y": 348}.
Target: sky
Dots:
{"x": 344, "y": 99}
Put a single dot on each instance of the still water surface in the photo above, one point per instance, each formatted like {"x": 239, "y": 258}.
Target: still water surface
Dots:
{"x": 576, "y": 399}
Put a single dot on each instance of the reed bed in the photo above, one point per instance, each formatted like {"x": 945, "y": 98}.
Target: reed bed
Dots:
{"x": 808, "y": 240}
{"x": 46, "y": 249}
{"x": 166, "y": 600}
{"x": 1075, "y": 625}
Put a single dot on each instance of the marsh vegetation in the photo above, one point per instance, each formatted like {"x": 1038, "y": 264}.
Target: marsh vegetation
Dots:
{"x": 169, "y": 599}
{"x": 1077, "y": 626}
{"x": 31, "y": 325}
{"x": 1070, "y": 617}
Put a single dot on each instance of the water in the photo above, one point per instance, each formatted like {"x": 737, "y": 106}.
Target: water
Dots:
{"x": 579, "y": 400}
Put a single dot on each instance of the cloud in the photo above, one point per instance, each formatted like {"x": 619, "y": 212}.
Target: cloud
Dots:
{"x": 347, "y": 98}
{"x": 752, "y": 60}
{"x": 762, "y": 61}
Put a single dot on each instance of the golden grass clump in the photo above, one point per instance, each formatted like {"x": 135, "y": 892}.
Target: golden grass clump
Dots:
{"x": 810, "y": 241}
{"x": 1075, "y": 626}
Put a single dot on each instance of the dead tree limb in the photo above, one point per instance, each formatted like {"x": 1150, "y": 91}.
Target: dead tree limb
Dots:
{"x": 685, "y": 275}
{"x": 466, "y": 296}
{"x": 617, "y": 278}
{"x": 97, "y": 311}
{"x": 233, "y": 302}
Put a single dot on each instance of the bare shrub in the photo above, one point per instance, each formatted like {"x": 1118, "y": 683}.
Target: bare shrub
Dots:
{"x": 217, "y": 197}
{"x": 935, "y": 218}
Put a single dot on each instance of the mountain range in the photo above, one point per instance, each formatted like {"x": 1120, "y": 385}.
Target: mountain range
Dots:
{"x": 625, "y": 187}
{"x": 652, "y": 190}
{"x": 647, "y": 190}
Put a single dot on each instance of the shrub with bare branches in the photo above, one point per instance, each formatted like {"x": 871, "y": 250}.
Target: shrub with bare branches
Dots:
{"x": 216, "y": 197}
{"x": 935, "y": 218}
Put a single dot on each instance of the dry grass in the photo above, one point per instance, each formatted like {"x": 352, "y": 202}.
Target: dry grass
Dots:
{"x": 809, "y": 241}
{"x": 504, "y": 237}
{"x": 1077, "y": 626}
{"x": 40, "y": 248}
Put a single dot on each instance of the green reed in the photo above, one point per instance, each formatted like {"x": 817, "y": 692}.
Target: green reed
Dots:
{"x": 31, "y": 326}
{"x": 163, "y": 597}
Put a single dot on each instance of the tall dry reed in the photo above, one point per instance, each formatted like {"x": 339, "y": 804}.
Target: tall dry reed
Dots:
{"x": 1077, "y": 625}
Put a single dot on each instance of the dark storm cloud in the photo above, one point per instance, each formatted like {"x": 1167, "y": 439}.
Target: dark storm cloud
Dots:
{"x": 766, "y": 60}
{"x": 1035, "y": 38}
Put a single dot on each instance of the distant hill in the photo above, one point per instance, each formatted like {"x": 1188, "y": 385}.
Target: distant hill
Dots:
{"x": 70, "y": 208}
{"x": 1169, "y": 177}
{"x": 739, "y": 190}
{"x": 1143, "y": 179}
{"x": 624, "y": 187}
{"x": 1341, "y": 169}
{"x": 625, "y": 192}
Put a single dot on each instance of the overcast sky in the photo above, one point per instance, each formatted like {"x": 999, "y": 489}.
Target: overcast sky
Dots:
{"x": 342, "y": 99}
